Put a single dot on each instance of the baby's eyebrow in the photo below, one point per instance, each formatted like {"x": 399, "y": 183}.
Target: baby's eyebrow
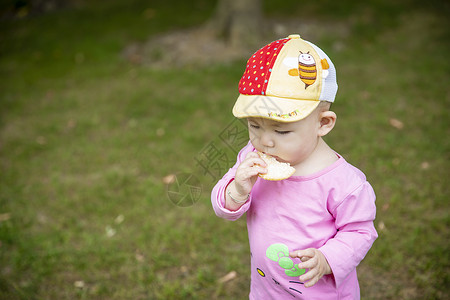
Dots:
{"x": 279, "y": 125}
{"x": 270, "y": 123}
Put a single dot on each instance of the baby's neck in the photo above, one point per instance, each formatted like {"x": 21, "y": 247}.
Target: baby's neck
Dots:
{"x": 322, "y": 157}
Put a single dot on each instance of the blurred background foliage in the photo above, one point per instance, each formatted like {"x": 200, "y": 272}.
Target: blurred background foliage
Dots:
{"x": 91, "y": 134}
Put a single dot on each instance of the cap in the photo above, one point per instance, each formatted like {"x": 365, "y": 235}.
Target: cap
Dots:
{"x": 285, "y": 81}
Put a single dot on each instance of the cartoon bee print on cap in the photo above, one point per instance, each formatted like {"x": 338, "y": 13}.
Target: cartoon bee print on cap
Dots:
{"x": 306, "y": 68}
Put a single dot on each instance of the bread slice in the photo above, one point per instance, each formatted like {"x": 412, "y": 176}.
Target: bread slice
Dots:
{"x": 276, "y": 170}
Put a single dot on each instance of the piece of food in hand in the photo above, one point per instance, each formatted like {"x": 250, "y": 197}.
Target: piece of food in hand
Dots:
{"x": 275, "y": 170}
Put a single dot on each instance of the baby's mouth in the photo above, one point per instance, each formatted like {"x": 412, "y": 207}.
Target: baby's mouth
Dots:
{"x": 274, "y": 156}
{"x": 280, "y": 159}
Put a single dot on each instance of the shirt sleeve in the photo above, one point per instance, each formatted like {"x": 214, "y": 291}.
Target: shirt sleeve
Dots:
{"x": 354, "y": 218}
{"x": 218, "y": 192}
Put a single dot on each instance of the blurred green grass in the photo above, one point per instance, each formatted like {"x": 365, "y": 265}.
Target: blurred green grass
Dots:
{"x": 86, "y": 139}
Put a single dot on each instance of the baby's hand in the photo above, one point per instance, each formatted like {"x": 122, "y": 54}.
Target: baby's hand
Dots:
{"x": 313, "y": 260}
{"x": 247, "y": 173}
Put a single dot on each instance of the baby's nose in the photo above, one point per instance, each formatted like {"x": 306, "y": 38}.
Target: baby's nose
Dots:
{"x": 267, "y": 141}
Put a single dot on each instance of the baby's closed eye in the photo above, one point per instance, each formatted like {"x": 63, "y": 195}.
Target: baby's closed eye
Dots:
{"x": 283, "y": 131}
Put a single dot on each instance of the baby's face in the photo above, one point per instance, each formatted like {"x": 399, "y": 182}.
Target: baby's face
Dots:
{"x": 287, "y": 142}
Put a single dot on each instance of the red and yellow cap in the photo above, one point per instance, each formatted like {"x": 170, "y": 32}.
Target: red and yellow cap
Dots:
{"x": 285, "y": 81}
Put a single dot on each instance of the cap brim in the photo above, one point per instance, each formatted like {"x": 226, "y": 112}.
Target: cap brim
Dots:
{"x": 274, "y": 108}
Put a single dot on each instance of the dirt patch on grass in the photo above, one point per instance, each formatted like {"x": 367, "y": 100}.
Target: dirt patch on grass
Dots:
{"x": 202, "y": 46}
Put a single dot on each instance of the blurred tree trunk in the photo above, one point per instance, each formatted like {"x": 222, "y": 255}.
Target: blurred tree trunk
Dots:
{"x": 239, "y": 22}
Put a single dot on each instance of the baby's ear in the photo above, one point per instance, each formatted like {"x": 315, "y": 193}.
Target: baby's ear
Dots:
{"x": 327, "y": 121}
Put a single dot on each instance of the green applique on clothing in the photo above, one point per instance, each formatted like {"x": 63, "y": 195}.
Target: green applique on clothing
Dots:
{"x": 280, "y": 253}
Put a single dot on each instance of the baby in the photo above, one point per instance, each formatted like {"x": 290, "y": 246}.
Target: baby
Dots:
{"x": 308, "y": 232}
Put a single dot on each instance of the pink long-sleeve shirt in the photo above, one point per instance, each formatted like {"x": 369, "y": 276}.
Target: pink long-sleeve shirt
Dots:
{"x": 332, "y": 210}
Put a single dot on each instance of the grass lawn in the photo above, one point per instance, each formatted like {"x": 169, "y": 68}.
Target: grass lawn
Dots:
{"x": 88, "y": 138}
